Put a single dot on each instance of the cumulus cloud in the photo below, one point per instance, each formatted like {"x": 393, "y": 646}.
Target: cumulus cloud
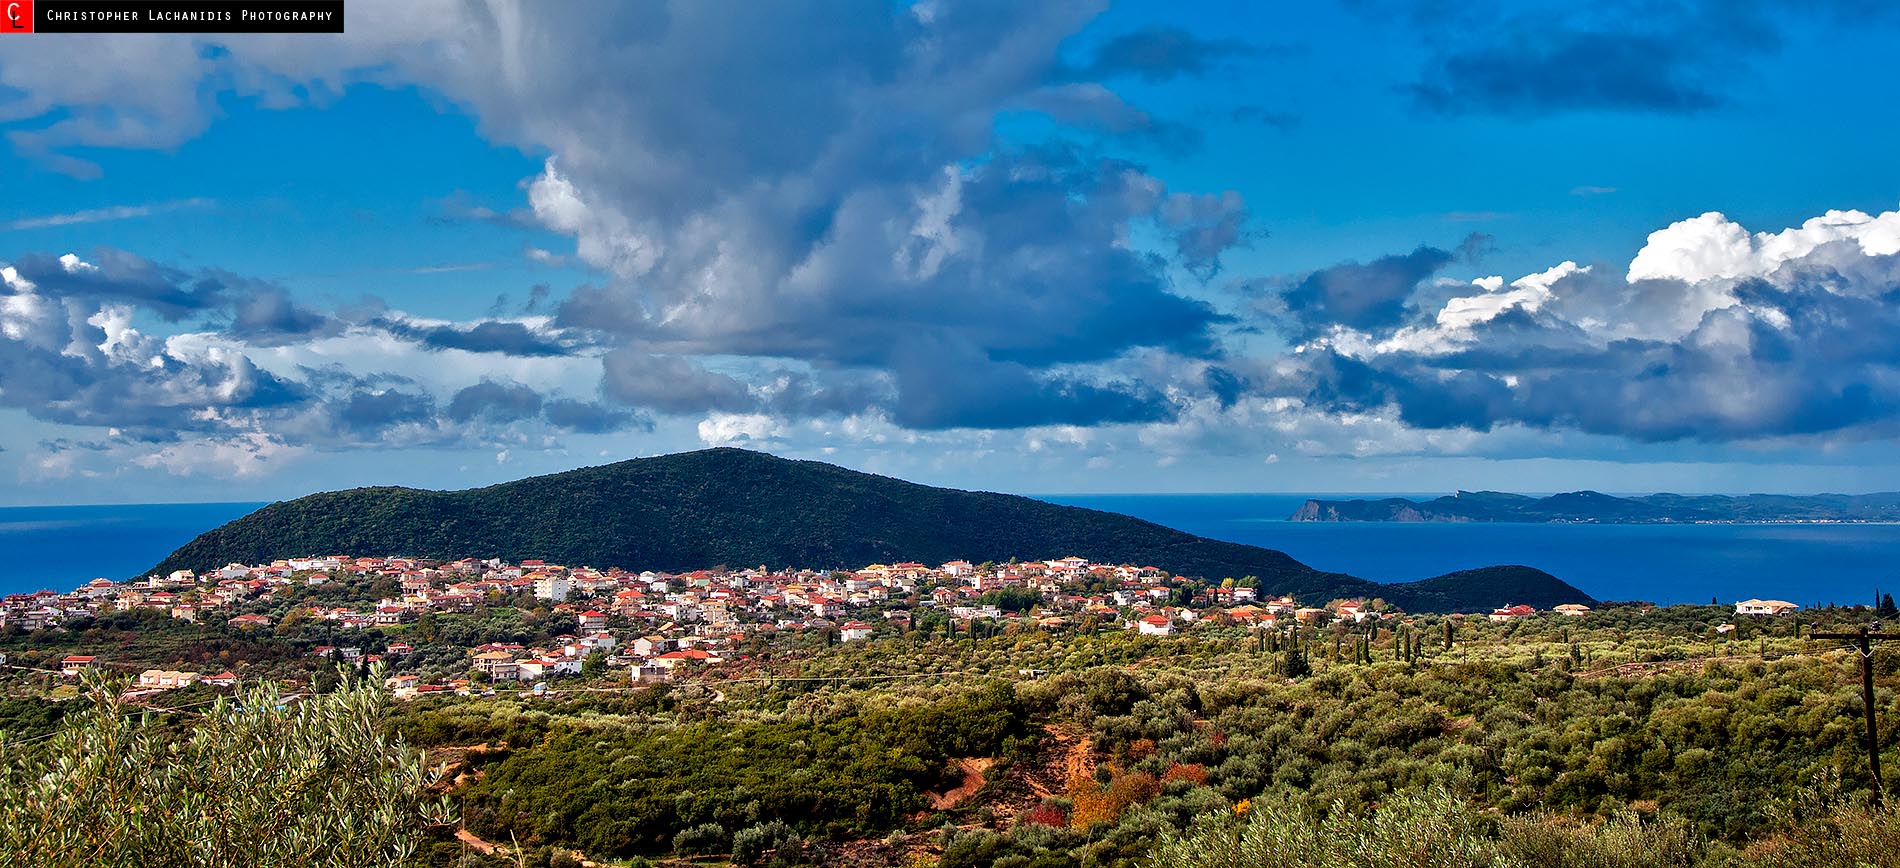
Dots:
{"x": 1712, "y": 334}
{"x": 736, "y": 429}
{"x": 670, "y": 383}
{"x": 505, "y": 402}
{"x": 1712, "y": 247}
{"x": 1352, "y": 294}
{"x": 118, "y": 277}
{"x": 268, "y": 316}
{"x": 804, "y": 194}
{"x": 1021, "y": 261}
{"x": 804, "y": 217}
{"x": 533, "y": 337}
{"x": 590, "y": 417}
{"x": 243, "y": 456}
{"x": 948, "y": 391}
{"x": 255, "y": 378}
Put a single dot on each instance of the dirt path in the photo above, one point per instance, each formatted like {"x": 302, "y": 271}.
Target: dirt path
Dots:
{"x": 975, "y": 771}
{"x": 1075, "y": 756}
{"x": 1080, "y": 761}
{"x": 478, "y": 845}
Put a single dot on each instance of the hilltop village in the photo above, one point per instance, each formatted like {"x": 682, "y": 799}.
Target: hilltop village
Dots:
{"x": 657, "y": 626}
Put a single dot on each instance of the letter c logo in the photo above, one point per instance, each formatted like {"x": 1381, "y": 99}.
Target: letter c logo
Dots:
{"x": 13, "y": 14}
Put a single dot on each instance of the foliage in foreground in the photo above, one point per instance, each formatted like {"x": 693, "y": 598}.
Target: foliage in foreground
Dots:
{"x": 1432, "y": 828}
{"x": 262, "y": 779}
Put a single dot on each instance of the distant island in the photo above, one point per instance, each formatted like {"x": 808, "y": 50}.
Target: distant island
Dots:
{"x": 1599, "y": 508}
{"x": 738, "y": 508}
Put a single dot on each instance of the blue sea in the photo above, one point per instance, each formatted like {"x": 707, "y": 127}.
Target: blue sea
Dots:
{"x": 1806, "y": 564}
{"x": 61, "y": 547}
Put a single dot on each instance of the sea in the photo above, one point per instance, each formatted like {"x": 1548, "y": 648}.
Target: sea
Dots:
{"x": 1809, "y": 564}
{"x": 61, "y": 547}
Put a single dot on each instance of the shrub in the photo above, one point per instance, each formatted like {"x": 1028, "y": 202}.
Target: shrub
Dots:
{"x": 1855, "y": 835}
{"x": 1046, "y": 814}
{"x": 752, "y": 845}
{"x": 259, "y": 780}
{"x": 1422, "y": 828}
{"x": 1193, "y": 773}
{"x": 1096, "y": 803}
{"x": 701, "y": 839}
{"x": 1624, "y": 841}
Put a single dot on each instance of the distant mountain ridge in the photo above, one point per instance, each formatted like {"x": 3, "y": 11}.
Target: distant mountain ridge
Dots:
{"x": 1593, "y": 506}
{"x": 734, "y": 507}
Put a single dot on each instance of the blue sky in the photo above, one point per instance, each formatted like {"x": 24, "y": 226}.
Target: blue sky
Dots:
{"x": 1064, "y": 248}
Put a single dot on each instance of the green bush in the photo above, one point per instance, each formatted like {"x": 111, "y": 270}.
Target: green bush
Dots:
{"x": 701, "y": 839}
{"x": 1624, "y": 841}
{"x": 753, "y": 844}
{"x": 262, "y": 779}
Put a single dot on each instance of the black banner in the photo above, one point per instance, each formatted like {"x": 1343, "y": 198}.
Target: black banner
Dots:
{"x": 188, "y": 16}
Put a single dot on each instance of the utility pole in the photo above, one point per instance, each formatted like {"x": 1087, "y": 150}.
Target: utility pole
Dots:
{"x": 1863, "y": 641}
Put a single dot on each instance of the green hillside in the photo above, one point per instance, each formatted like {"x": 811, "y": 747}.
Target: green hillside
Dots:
{"x": 738, "y": 508}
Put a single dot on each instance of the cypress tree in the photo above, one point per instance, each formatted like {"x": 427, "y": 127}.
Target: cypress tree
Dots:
{"x": 1295, "y": 665}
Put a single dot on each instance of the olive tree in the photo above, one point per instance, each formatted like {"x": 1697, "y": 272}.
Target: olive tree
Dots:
{"x": 257, "y": 779}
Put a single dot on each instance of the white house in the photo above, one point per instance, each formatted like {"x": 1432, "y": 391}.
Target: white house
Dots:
{"x": 1155, "y": 625}
{"x": 165, "y": 678}
{"x": 854, "y": 631}
{"x": 550, "y": 587}
{"x": 1764, "y": 607}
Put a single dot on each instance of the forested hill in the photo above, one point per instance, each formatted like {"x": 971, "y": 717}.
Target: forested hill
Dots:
{"x": 1593, "y": 506}
{"x": 738, "y": 508}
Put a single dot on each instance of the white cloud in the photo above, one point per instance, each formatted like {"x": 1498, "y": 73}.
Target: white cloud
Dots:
{"x": 245, "y": 456}
{"x": 604, "y": 237}
{"x": 98, "y": 215}
{"x": 1711, "y": 246}
{"x": 1724, "y": 336}
{"x": 733, "y": 429}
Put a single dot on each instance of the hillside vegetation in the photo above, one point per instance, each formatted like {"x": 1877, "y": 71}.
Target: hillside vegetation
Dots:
{"x": 733, "y": 507}
{"x": 1629, "y": 739}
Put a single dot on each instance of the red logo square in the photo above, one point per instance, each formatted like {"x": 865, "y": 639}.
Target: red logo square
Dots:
{"x": 16, "y": 16}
